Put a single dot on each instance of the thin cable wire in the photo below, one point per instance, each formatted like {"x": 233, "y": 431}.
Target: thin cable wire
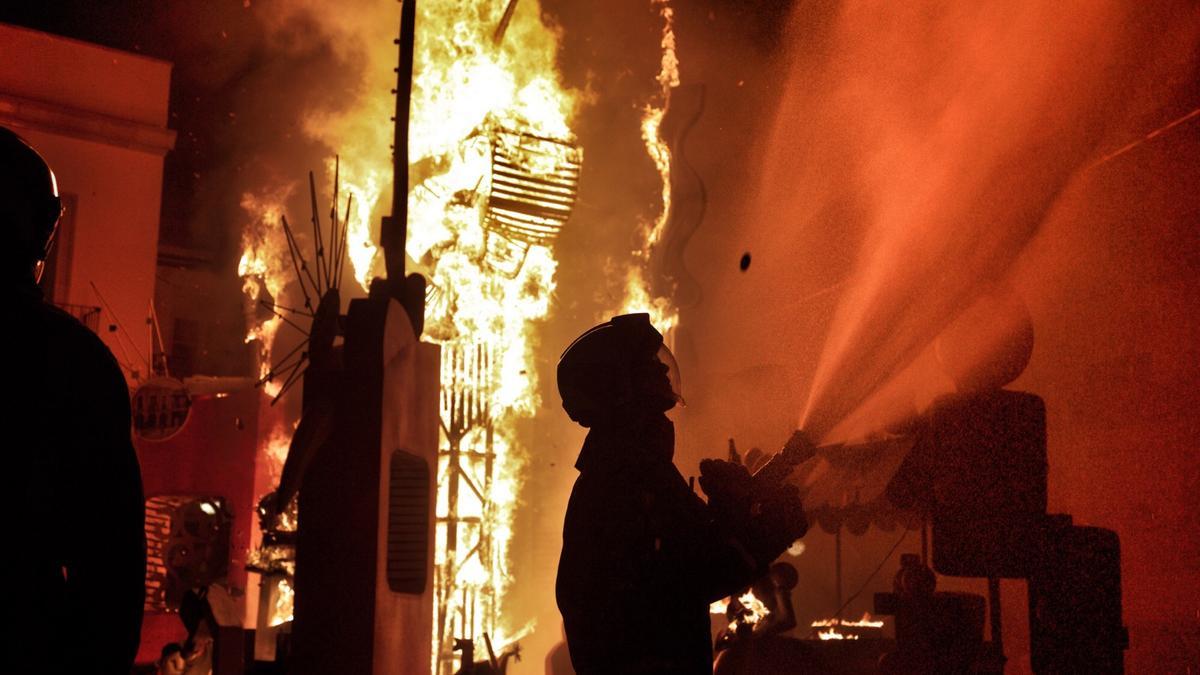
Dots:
{"x": 1150, "y": 136}
{"x": 862, "y": 588}
{"x": 121, "y": 328}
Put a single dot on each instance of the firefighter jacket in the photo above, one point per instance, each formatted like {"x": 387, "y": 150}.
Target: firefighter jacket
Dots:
{"x": 75, "y": 555}
{"x": 642, "y": 559}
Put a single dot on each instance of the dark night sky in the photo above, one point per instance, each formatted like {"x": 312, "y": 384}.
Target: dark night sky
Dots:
{"x": 226, "y": 126}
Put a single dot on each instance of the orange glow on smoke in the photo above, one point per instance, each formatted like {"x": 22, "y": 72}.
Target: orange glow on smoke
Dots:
{"x": 943, "y": 222}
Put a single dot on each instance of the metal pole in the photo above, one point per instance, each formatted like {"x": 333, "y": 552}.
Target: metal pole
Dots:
{"x": 994, "y": 619}
{"x": 837, "y": 572}
{"x": 394, "y": 229}
{"x": 925, "y": 541}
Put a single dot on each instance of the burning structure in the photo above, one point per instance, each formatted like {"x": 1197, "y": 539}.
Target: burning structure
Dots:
{"x": 493, "y": 181}
{"x": 872, "y": 182}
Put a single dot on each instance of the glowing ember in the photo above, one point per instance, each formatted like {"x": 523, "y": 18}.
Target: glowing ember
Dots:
{"x": 276, "y": 450}
{"x": 285, "y": 600}
{"x": 865, "y": 622}
{"x": 751, "y": 610}
{"x": 755, "y": 610}
{"x": 833, "y": 634}
{"x": 830, "y": 627}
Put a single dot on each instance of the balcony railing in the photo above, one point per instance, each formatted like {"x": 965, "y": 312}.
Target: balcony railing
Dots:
{"x": 87, "y": 315}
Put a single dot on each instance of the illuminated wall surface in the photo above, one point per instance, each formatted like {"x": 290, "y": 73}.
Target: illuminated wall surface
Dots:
{"x": 99, "y": 117}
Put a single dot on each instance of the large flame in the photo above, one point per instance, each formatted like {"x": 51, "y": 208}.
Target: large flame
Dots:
{"x": 264, "y": 270}
{"x": 668, "y": 77}
{"x": 466, "y": 90}
{"x": 638, "y": 297}
{"x": 468, "y": 86}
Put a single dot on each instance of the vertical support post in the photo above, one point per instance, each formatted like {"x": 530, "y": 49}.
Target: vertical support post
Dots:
{"x": 997, "y": 651}
{"x": 837, "y": 571}
{"x": 925, "y": 540}
{"x": 394, "y": 228}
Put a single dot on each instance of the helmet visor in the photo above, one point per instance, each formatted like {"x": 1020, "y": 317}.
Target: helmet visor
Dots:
{"x": 668, "y": 359}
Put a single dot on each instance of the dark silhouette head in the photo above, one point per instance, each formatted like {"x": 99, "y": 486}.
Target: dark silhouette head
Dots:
{"x": 171, "y": 660}
{"x": 614, "y": 372}
{"x": 29, "y": 206}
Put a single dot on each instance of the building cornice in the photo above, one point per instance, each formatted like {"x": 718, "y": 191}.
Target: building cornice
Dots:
{"x": 18, "y": 112}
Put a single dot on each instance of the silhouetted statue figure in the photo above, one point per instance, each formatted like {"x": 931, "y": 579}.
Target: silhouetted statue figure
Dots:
{"x": 74, "y": 551}
{"x": 643, "y": 556}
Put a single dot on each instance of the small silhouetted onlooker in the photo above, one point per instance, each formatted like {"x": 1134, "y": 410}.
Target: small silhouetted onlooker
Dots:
{"x": 171, "y": 661}
{"x": 73, "y": 533}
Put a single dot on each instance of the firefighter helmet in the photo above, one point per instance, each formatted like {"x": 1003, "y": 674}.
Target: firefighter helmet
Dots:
{"x": 614, "y": 364}
{"x": 29, "y": 203}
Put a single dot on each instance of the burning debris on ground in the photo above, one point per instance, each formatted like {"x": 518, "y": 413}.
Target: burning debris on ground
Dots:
{"x": 341, "y": 254}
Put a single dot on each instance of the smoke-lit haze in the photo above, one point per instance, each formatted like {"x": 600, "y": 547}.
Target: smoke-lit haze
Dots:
{"x": 916, "y": 155}
{"x": 960, "y": 124}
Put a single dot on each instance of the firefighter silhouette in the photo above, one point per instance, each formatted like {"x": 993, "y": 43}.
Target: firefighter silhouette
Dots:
{"x": 75, "y": 548}
{"x": 643, "y": 556}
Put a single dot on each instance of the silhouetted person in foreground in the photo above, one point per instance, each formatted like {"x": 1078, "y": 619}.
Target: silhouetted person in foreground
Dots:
{"x": 74, "y": 550}
{"x": 643, "y": 556}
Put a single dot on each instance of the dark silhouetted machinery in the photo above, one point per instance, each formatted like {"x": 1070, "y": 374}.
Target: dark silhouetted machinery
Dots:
{"x": 972, "y": 469}
{"x": 187, "y": 547}
{"x": 978, "y": 474}
{"x": 978, "y": 471}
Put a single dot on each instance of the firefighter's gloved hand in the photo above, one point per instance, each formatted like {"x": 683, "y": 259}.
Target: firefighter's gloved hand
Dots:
{"x": 729, "y": 487}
